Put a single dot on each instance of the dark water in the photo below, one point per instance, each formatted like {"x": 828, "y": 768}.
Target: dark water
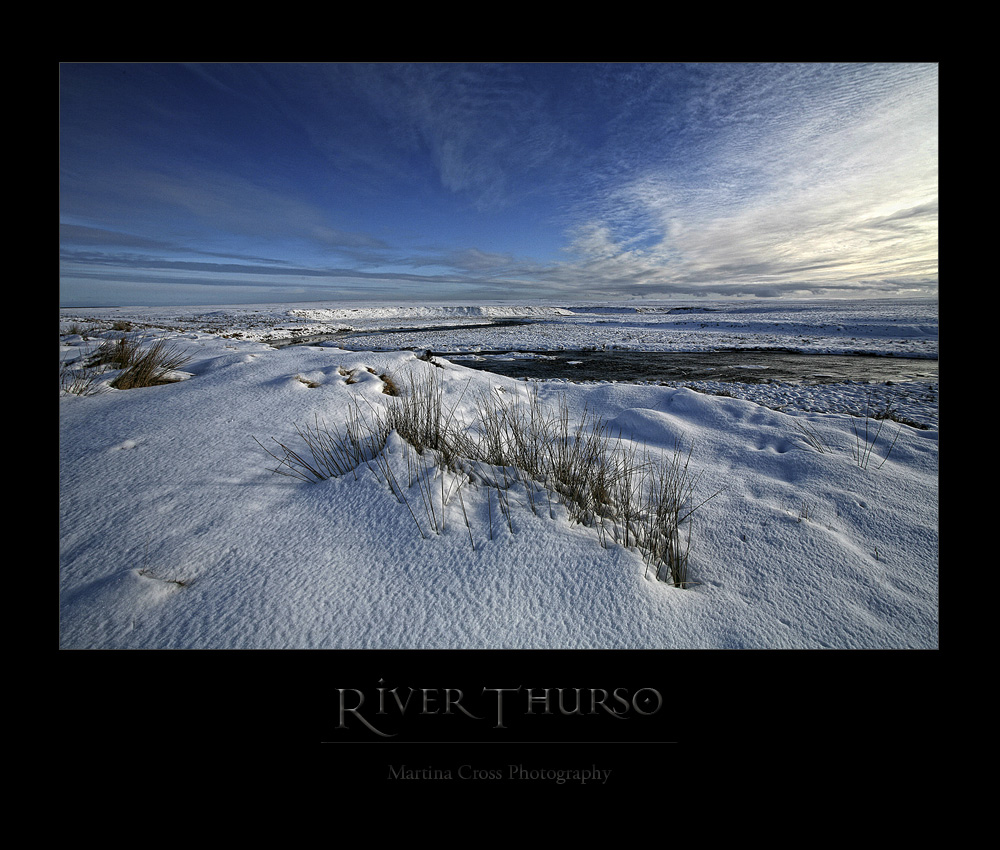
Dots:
{"x": 748, "y": 366}
{"x": 744, "y": 366}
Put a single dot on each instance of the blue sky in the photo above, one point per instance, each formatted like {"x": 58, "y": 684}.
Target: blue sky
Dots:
{"x": 463, "y": 183}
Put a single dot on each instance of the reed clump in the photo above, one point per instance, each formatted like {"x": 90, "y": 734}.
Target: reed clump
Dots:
{"x": 520, "y": 451}
{"x": 138, "y": 365}
{"x": 151, "y": 366}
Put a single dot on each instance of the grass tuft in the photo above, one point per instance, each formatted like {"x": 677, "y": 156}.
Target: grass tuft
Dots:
{"x": 151, "y": 366}
{"x": 520, "y": 451}
{"x": 867, "y": 433}
{"x": 119, "y": 353}
{"x": 82, "y": 381}
{"x": 389, "y": 386}
{"x": 139, "y": 366}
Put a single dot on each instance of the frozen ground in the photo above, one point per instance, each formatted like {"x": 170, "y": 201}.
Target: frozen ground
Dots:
{"x": 905, "y": 328}
{"x": 174, "y": 531}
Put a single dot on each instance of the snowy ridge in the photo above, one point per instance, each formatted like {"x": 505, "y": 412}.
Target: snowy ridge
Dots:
{"x": 436, "y": 312}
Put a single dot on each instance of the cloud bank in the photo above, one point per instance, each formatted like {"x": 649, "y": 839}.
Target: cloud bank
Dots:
{"x": 456, "y": 182}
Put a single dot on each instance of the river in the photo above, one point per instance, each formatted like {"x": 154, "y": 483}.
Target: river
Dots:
{"x": 750, "y": 366}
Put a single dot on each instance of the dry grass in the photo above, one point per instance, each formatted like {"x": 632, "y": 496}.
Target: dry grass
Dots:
{"x": 867, "y": 433}
{"x": 118, "y": 353}
{"x": 151, "y": 366}
{"x": 139, "y": 366}
{"x": 76, "y": 380}
{"x": 518, "y": 450}
{"x": 389, "y": 386}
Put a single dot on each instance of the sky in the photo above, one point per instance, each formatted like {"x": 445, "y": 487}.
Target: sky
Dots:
{"x": 241, "y": 183}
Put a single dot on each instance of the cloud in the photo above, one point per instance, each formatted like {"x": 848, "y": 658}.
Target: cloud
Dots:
{"x": 487, "y": 134}
{"x": 618, "y": 179}
{"x": 813, "y": 175}
{"x": 76, "y": 234}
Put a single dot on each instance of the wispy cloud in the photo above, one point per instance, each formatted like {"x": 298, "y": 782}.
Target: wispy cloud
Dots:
{"x": 814, "y": 176}
{"x": 595, "y": 180}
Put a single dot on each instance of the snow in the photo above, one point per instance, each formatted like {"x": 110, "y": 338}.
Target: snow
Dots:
{"x": 176, "y": 533}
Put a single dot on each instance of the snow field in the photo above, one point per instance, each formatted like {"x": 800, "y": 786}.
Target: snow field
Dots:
{"x": 174, "y": 531}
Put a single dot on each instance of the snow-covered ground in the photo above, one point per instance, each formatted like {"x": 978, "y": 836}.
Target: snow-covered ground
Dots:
{"x": 176, "y": 533}
{"x": 906, "y": 328}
